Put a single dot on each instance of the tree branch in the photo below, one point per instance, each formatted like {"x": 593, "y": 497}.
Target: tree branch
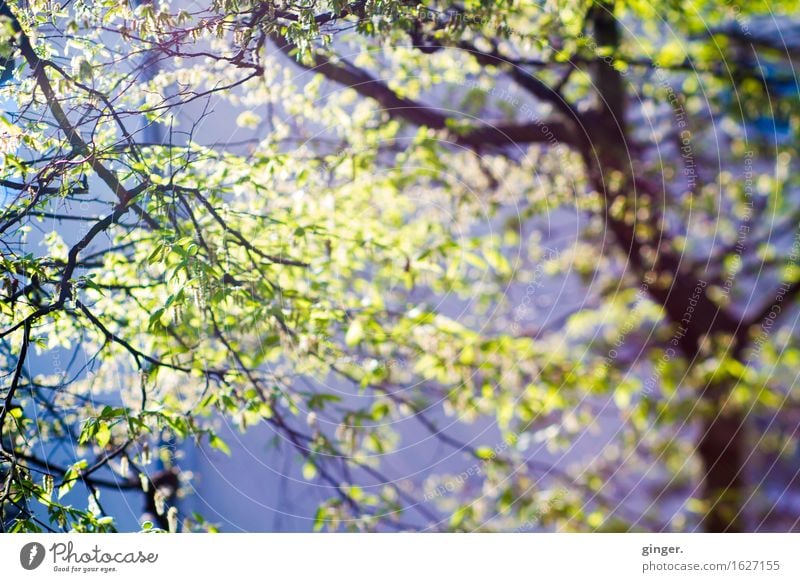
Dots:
{"x": 546, "y": 131}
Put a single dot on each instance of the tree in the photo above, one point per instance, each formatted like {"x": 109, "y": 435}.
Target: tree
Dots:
{"x": 402, "y": 154}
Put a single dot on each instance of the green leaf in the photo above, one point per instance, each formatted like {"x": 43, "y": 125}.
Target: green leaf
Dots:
{"x": 354, "y": 334}
{"x": 459, "y": 515}
{"x": 103, "y": 434}
{"x": 219, "y": 444}
{"x": 320, "y": 518}
{"x": 309, "y": 471}
{"x": 71, "y": 476}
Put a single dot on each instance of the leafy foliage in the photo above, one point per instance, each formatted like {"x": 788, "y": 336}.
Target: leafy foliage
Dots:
{"x": 347, "y": 257}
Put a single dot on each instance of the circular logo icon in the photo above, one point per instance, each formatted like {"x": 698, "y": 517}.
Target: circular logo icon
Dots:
{"x": 31, "y": 555}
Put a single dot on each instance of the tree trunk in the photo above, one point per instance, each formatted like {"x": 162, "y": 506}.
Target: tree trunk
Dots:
{"x": 721, "y": 450}
{"x": 721, "y": 447}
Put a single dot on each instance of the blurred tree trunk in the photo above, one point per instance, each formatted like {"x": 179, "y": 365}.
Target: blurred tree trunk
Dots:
{"x": 722, "y": 453}
{"x": 720, "y": 448}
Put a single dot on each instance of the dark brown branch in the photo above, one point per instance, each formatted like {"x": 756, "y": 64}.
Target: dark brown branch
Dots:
{"x": 8, "y": 403}
{"x": 474, "y": 137}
